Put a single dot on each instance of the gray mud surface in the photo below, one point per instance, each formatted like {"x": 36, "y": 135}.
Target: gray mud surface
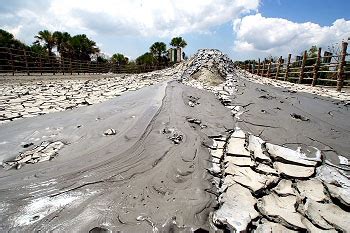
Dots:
{"x": 137, "y": 180}
{"x": 294, "y": 119}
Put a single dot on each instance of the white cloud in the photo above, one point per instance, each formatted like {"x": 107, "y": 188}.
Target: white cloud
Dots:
{"x": 158, "y": 18}
{"x": 258, "y": 35}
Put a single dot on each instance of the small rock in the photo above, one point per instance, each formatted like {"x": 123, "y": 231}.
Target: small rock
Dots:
{"x": 299, "y": 117}
{"x": 110, "y": 132}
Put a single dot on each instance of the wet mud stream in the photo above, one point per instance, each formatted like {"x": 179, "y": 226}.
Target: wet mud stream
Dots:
{"x": 149, "y": 174}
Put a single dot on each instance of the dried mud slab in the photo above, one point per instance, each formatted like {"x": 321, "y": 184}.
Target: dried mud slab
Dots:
{"x": 312, "y": 189}
{"x": 337, "y": 184}
{"x": 236, "y": 147}
{"x": 327, "y": 216}
{"x": 294, "y": 171}
{"x": 287, "y": 155}
{"x": 237, "y": 210}
{"x": 284, "y": 188}
{"x": 267, "y": 226}
{"x": 249, "y": 178}
{"x": 281, "y": 210}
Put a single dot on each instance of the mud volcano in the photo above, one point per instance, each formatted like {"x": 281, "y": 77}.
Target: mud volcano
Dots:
{"x": 199, "y": 147}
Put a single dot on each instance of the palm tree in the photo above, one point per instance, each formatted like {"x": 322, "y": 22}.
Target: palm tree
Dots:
{"x": 158, "y": 49}
{"x": 62, "y": 40}
{"x": 47, "y": 38}
{"x": 120, "y": 59}
{"x": 83, "y": 47}
{"x": 178, "y": 42}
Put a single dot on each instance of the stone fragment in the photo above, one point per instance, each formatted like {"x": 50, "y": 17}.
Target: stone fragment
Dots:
{"x": 326, "y": 215}
{"x": 250, "y": 179}
{"x": 237, "y": 209}
{"x": 295, "y": 171}
{"x": 174, "y": 135}
{"x": 284, "y": 188}
{"x": 287, "y": 155}
{"x": 110, "y": 132}
{"x": 281, "y": 210}
{"x": 312, "y": 189}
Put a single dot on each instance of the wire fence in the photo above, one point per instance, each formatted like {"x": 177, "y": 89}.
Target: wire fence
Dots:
{"x": 24, "y": 62}
{"x": 327, "y": 70}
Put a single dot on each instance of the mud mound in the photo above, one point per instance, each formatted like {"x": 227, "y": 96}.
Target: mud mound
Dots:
{"x": 211, "y": 60}
{"x": 209, "y": 76}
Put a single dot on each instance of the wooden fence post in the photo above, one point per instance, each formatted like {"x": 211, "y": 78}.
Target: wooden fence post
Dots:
{"x": 341, "y": 66}
{"x": 268, "y": 70}
{"x": 302, "y": 68}
{"x": 287, "y": 67}
{"x": 258, "y": 71}
{"x": 41, "y": 64}
{"x": 11, "y": 59}
{"x": 62, "y": 65}
{"x": 26, "y": 61}
{"x": 70, "y": 66}
{"x": 278, "y": 67}
{"x": 316, "y": 67}
{"x": 263, "y": 69}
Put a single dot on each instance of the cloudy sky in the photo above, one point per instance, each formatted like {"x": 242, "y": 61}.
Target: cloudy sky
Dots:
{"x": 241, "y": 28}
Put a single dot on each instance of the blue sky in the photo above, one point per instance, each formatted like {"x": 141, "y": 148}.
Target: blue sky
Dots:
{"x": 243, "y": 29}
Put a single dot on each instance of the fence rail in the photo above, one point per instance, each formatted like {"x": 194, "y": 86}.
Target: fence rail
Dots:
{"x": 24, "y": 62}
{"x": 320, "y": 70}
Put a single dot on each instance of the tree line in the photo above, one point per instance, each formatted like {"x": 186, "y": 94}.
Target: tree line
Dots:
{"x": 80, "y": 47}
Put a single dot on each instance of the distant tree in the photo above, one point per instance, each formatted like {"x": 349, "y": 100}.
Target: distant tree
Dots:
{"x": 312, "y": 52}
{"x": 38, "y": 50}
{"x": 47, "y": 39}
{"x": 178, "y": 42}
{"x": 8, "y": 40}
{"x": 146, "y": 59}
{"x": 158, "y": 49}
{"x": 120, "y": 59}
{"x": 101, "y": 59}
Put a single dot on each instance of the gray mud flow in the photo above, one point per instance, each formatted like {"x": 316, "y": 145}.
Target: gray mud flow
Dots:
{"x": 149, "y": 174}
{"x": 294, "y": 119}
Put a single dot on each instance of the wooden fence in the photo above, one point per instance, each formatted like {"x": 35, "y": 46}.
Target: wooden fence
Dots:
{"x": 322, "y": 70}
{"x": 24, "y": 62}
